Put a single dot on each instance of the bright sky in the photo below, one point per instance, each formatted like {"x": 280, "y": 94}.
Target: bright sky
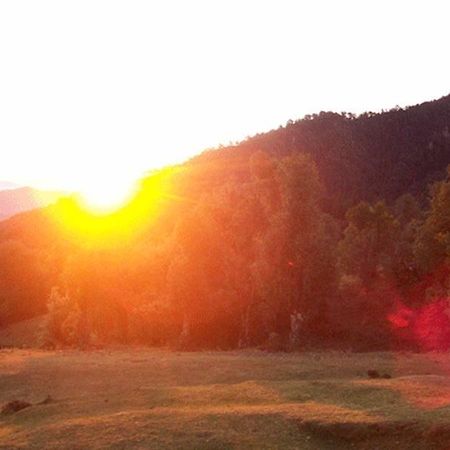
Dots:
{"x": 94, "y": 93}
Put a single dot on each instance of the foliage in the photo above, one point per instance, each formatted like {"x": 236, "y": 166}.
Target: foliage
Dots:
{"x": 298, "y": 238}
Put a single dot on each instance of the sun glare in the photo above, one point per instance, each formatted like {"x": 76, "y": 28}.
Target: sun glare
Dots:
{"x": 110, "y": 212}
{"x": 105, "y": 197}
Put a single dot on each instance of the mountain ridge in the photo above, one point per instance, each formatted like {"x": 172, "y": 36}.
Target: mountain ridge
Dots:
{"x": 21, "y": 199}
{"x": 368, "y": 157}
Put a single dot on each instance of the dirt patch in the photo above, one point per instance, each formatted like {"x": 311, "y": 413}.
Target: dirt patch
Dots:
{"x": 14, "y": 406}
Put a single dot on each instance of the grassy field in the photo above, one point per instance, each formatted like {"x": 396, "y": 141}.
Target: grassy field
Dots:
{"x": 141, "y": 398}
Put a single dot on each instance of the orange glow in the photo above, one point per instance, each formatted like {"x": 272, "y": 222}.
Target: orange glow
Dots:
{"x": 95, "y": 222}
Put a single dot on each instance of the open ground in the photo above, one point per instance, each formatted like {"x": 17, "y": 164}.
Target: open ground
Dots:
{"x": 143, "y": 398}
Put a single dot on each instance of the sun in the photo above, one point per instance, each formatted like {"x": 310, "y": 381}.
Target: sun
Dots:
{"x": 104, "y": 196}
{"x": 110, "y": 214}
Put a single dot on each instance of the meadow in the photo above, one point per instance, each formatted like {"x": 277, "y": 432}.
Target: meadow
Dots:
{"x": 140, "y": 398}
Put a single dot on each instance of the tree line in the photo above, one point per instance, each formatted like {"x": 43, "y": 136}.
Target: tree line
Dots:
{"x": 248, "y": 262}
{"x": 295, "y": 239}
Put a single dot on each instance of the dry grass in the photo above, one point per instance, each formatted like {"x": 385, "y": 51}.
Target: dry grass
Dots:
{"x": 141, "y": 398}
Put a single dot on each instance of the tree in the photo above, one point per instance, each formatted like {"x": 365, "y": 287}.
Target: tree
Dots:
{"x": 368, "y": 245}
{"x": 198, "y": 279}
{"x": 432, "y": 247}
{"x": 285, "y": 269}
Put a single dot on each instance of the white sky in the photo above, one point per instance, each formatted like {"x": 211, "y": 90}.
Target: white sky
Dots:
{"x": 97, "y": 92}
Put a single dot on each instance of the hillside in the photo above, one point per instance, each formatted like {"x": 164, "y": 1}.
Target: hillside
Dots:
{"x": 237, "y": 247}
{"x": 366, "y": 157}
{"x": 14, "y": 201}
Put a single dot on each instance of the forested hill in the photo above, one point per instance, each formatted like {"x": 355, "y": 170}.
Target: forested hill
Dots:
{"x": 367, "y": 157}
{"x": 237, "y": 247}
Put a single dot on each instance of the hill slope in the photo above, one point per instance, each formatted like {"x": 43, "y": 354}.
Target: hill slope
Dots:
{"x": 364, "y": 157}
{"x": 13, "y": 201}
{"x": 231, "y": 219}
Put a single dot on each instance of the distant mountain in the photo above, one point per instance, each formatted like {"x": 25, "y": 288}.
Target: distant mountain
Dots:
{"x": 13, "y": 201}
{"x": 8, "y": 185}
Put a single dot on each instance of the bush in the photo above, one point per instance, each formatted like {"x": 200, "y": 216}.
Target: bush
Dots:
{"x": 65, "y": 325}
